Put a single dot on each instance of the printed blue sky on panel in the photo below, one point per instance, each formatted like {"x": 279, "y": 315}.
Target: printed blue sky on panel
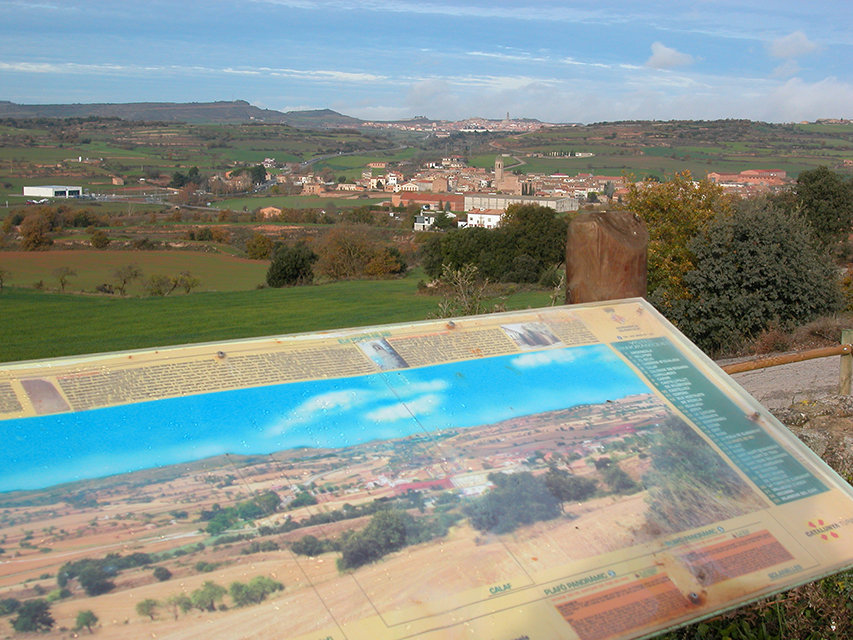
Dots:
{"x": 61, "y": 448}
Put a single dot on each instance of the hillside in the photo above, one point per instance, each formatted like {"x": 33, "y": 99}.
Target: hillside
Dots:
{"x": 236, "y": 111}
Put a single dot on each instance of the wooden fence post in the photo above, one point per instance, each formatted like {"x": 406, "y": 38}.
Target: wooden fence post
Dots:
{"x": 846, "y": 365}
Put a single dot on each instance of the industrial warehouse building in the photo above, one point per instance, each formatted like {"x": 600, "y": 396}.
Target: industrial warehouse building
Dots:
{"x": 53, "y": 191}
{"x": 501, "y": 202}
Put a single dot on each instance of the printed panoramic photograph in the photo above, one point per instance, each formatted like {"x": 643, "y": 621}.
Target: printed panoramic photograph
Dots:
{"x": 320, "y": 496}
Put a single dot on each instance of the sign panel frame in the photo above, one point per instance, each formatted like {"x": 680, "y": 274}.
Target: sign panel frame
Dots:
{"x": 577, "y": 472}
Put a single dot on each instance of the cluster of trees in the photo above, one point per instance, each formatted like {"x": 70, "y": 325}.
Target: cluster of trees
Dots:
{"x": 388, "y": 531}
{"x": 219, "y": 519}
{"x": 353, "y": 251}
{"x": 675, "y": 212}
{"x": 159, "y": 284}
{"x": 302, "y": 499}
{"x": 520, "y": 499}
{"x": 209, "y": 597}
{"x": 156, "y": 284}
{"x": 306, "y": 216}
{"x": 209, "y": 234}
{"x": 342, "y": 253}
{"x": 37, "y": 226}
{"x": 260, "y": 546}
{"x": 257, "y": 173}
{"x": 34, "y": 616}
{"x": 259, "y": 247}
{"x": 347, "y": 512}
{"x": 825, "y": 200}
{"x": 312, "y": 546}
{"x": 757, "y": 268}
{"x": 291, "y": 265}
{"x": 689, "y": 484}
{"x": 725, "y": 270}
{"x": 95, "y": 576}
{"x": 192, "y": 177}
{"x": 530, "y": 241}
{"x": 253, "y": 592}
{"x": 517, "y": 499}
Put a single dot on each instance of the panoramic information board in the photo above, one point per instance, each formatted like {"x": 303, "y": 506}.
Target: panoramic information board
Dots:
{"x": 578, "y": 472}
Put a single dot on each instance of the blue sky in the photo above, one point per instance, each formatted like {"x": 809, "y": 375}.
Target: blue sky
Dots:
{"x": 606, "y": 60}
{"x": 49, "y": 450}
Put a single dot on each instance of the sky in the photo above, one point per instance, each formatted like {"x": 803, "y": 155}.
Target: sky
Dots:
{"x": 556, "y": 61}
{"x": 48, "y": 450}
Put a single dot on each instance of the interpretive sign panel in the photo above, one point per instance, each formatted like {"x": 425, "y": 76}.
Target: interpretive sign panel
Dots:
{"x": 576, "y": 472}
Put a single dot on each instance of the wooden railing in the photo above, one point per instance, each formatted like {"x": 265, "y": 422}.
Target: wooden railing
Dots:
{"x": 845, "y": 350}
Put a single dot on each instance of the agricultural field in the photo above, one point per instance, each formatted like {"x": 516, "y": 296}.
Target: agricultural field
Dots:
{"x": 215, "y": 271}
{"x": 92, "y": 151}
{"x": 661, "y": 148}
{"x": 225, "y": 303}
{"x": 39, "y": 324}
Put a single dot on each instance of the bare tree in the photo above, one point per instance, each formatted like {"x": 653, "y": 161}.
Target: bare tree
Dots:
{"x": 63, "y": 273}
{"x": 125, "y": 275}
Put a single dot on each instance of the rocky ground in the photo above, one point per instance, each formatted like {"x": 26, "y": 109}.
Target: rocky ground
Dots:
{"x": 804, "y": 397}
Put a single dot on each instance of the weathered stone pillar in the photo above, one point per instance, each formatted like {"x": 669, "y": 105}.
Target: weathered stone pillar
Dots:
{"x": 606, "y": 257}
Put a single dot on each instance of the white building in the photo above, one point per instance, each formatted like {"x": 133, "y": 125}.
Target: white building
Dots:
{"x": 424, "y": 222}
{"x": 53, "y": 191}
{"x": 487, "y": 218}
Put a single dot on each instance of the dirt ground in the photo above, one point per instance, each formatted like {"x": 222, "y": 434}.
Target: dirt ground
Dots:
{"x": 781, "y": 386}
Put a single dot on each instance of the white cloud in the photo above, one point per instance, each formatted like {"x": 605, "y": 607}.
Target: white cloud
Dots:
{"x": 333, "y": 403}
{"x": 500, "y": 83}
{"x": 406, "y": 410}
{"x": 799, "y": 100}
{"x": 62, "y": 68}
{"x": 543, "y": 358}
{"x": 506, "y": 56}
{"x": 430, "y": 96}
{"x": 791, "y": 46}
{"x": 577, "y": 63}
{"x": 642, "y": 96}
{"x": 664, "y": 57}
{"x": 316, "y": 75}
{"x": 49, "y": 6}
{"x": 325, "y": 76}
{"x": 423, "y": 387}
{"x": 787, "y": 69}
{"x": 373, "y": 113}
{"x": 471, "y": 9}
{"x": 245, "y": 72}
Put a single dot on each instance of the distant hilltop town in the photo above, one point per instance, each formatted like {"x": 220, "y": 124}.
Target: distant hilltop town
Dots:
{"x": 470, "y": 125}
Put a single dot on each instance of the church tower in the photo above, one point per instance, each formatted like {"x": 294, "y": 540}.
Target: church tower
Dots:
{"x": 499, "y": 171}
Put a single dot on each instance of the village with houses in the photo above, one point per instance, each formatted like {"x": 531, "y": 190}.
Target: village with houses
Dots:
{"x": 470, "y": 196}
{"x": 478, "y": 197}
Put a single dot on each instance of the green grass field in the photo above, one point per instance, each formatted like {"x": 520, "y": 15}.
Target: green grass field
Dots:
{"x": 217, "y": 272}
{"x": 46, "y": 325}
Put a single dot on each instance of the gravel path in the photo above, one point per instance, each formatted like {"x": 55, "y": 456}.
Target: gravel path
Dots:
{"x": 781, "y": 386}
